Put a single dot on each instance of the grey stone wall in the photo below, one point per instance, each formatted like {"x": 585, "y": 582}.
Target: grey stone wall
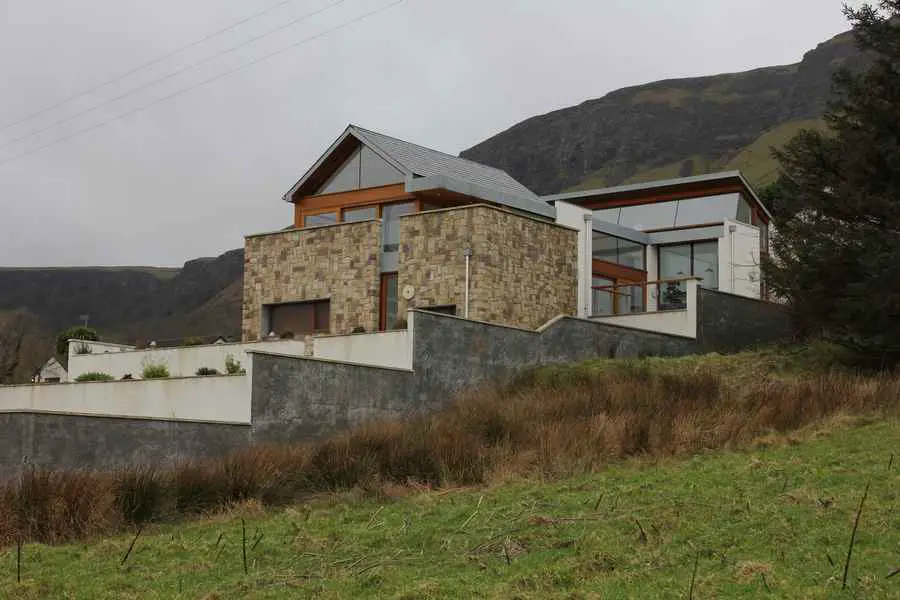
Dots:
{"x": 60, "y": 441}
{"x": 300, "y": 397}
{"x": 727, "y": 323}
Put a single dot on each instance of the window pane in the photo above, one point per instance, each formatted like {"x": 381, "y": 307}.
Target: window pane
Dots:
{"x": 366, "y": 213}
{"x": 320, "y": 219}
{"x": 375, "y": 171}
{"x": 674, "y": 261}
{"x": 709, "y": 209}
{"x": 605, "y": 247}
{"x": 390, "y": 231}
{"x": 601, "y": 300}
{"x": 649, "y": 216}
{"x": 706, "y": 264}
{"x": 344, "y": 179}
{"x": 744, "y": 214}
{"x": 631, "y": 254}
{"x": 610, "y": 215}
{"x": 390, "y": 301}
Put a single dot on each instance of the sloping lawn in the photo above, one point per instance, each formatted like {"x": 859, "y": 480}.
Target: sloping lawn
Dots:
{"x": 772, "y": 522}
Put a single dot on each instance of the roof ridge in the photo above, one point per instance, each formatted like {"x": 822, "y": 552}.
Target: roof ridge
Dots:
{"x": 448, "y": 155}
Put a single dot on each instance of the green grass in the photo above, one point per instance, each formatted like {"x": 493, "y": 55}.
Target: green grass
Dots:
{"x": 763, "y": 523}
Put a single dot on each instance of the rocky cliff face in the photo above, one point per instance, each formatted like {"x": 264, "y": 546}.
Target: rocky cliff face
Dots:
{"x": 669, "y": 128}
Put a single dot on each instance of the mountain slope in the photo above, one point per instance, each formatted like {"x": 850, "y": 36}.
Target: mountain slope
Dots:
{"x": 670, "y": 128}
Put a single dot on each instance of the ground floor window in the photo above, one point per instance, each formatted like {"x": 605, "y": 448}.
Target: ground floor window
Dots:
{"x": 295, "y": 318}
{"x": 695, "y": 259}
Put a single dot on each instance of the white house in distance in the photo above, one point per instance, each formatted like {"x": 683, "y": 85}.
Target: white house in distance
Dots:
{"x": 51, "y": 371}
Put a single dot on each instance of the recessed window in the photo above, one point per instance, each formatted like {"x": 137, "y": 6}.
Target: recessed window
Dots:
{"x": 298, "y": 318}
{"x": 327, "y": 218}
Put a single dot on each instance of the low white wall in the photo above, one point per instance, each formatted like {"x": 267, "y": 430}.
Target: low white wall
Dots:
{"x": 673, "y": 322}
{"x": 383, "y": 349}
{"x": 182, "y": 361}
{"x": 208, "y": 399}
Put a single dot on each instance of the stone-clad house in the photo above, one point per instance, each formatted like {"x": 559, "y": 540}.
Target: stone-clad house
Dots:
{"x": 382, "y": 226}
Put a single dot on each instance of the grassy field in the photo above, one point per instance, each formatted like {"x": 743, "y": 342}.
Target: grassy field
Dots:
{"x": 773, "y": 521}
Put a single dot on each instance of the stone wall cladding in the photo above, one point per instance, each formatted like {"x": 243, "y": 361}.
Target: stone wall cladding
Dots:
{"x": 69, "y": 442}
{"x": 523, "y": 271}
{"x": 338, "y": 262}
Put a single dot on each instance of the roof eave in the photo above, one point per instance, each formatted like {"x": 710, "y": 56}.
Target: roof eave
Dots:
{"x": 443, "y": 182}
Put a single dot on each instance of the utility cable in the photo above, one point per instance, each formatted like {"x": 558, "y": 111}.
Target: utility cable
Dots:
{"x": 143, "y": 66}
{"x": 175, "y": 73}
{"x": 202, "y": 83}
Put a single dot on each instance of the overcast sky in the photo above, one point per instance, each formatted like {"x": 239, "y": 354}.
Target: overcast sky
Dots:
{"x": 190, "y": 175}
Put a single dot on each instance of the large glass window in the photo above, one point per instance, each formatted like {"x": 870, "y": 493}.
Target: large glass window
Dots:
{"x": 601, "y": 299}
{"x": 366, "y": 213}
{"x": 648, "y": 216}
{"x": 363, "y": 169}
{"x": 390, "y": 231}
{"x": 618, "y": 251}
{"x": 328, "y": 218}
{"x": 679, "y": 213}
{"x": 344, "y": 179}
{"x": 295, "y": 318}
{"x": 698, "y": 259}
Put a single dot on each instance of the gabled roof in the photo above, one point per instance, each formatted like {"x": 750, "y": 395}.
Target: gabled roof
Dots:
{"x": 413, "y": 161}
{"x": 639, "y": 189}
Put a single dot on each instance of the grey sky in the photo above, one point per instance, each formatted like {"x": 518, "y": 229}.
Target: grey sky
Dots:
{"x": 190, "y": 176}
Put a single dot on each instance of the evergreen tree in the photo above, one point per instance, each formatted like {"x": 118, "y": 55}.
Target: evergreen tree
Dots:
{"x": 836, "y": 245}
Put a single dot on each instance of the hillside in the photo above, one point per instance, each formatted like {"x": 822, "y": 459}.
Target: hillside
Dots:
{"x": 126, "y": 304}
{"x": 671, "y": 128}
{"x": 611, "y": 478}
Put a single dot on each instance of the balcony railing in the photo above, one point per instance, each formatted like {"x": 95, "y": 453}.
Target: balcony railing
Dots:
{"x": 630, "y": 298}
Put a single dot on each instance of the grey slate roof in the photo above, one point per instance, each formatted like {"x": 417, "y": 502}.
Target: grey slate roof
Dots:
{"x": 418, "y": 160}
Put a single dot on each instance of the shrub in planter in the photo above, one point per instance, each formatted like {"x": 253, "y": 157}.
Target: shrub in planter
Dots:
{"x": 204, "y": 371}
{"x": 192, "y": 341}
{"x": 358, "y": 329}
{"x": 94, "y": 376}
{"x": 155, "y": 371}
{"x": 233, "y": 366}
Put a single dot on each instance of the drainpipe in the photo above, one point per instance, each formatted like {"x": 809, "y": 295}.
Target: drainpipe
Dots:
{"x": 732, "y": 229}
{"x": 587, "y": 273}
{"x": 468, "y": 254}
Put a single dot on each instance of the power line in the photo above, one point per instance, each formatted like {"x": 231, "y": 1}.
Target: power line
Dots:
{"x": 143, "y": 66}
{"x": 175, "y": 73}
{"x": 203, "y": 82}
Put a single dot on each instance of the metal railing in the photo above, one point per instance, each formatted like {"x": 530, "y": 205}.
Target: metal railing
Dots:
{"x": 630, "y": 298}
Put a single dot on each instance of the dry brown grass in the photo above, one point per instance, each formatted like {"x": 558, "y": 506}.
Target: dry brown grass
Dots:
{"x": 550, "y": 428}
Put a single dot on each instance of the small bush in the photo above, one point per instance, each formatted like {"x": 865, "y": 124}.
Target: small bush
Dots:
{"x": 83, "y": 348}
{"x": 287, "y": 335}
{"x": 358, "y": 329}
{"x": 205, "y": 371}
{"x": 233, "y": 366}
{"x": 155, "y": 371}
{"x": 192, "y": 341}
{"x": 94, "y": 376}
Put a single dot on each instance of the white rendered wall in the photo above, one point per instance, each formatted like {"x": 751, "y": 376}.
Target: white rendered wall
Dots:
{"x": 739, "y": 260}
{"x": 209, "y": 399}
{"x": 673, "y": 322}
{"x": 580, "y": 219}
{"x": 182, "y": 361}
{"x": 383, "y": 349}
